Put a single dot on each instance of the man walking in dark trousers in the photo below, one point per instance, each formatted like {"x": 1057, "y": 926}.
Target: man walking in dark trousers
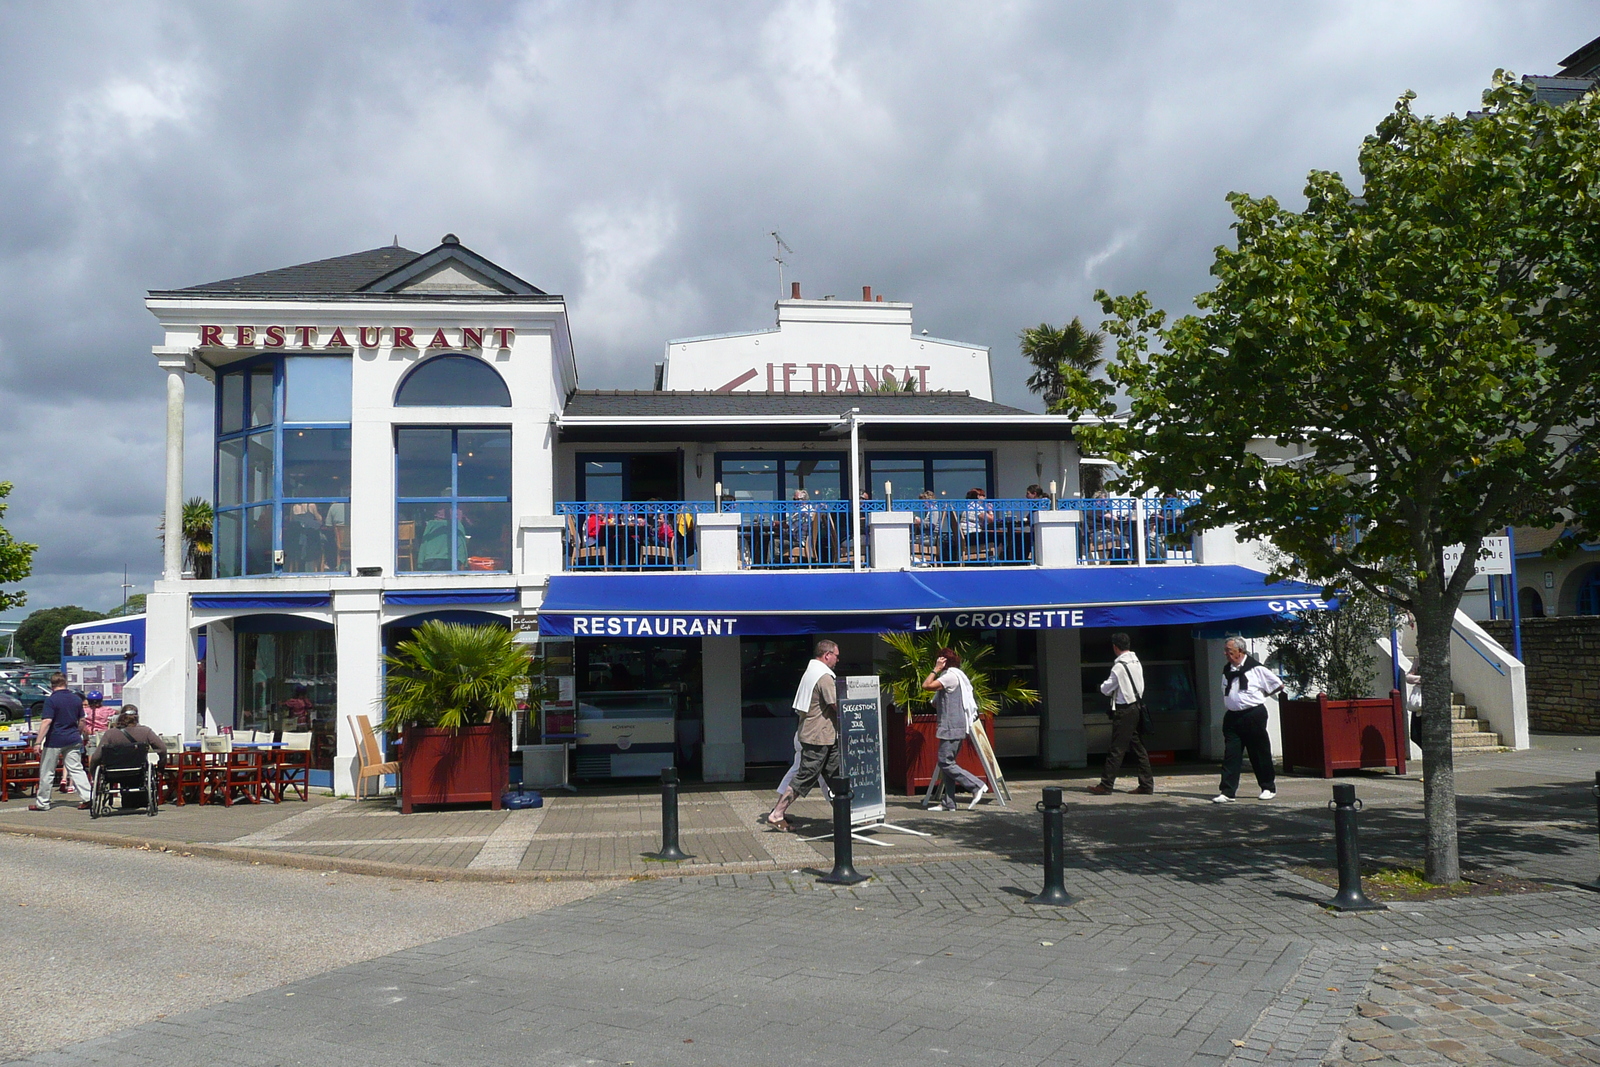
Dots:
{"x": 59, "y": 739}
{"x": 1125, "y": 686}
{"x": 1246, "y": 685}
{"x": 816, "y": 701}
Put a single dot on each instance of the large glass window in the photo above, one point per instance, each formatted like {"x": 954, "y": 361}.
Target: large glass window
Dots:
{"x": 453, "y": 381}
{"x": 453, "y": 499}
{"x": 283, "y": 467}
{"x": 288, "y": 683}
{"x": 777, "y": 475}
{"x": 948, "y": 474}
{"x": 635, "y": 476}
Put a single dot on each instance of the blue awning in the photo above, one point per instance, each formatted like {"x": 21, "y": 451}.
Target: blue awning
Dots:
{"x": 1023, "y": 598}
{"x": 450, "y": 596}
{"x": 261, "y": 601}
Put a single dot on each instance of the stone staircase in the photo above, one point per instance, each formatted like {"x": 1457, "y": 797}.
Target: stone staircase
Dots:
{"x": 1468, "y": 733}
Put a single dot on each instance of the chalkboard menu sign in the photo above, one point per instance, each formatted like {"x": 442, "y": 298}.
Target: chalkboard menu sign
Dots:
{"x": 861, "y": 723}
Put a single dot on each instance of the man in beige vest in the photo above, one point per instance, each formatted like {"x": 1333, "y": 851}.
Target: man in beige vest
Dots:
{"x": 816, "y": 701}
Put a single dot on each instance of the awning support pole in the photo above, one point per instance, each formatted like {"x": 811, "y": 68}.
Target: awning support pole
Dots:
{"x": 855, "y": 491}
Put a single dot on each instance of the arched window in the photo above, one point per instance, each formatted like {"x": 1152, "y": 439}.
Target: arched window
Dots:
{"x": 453, "y": 381}
{"x": 1589, "y": 593}
{"x": 1530, "y": 604}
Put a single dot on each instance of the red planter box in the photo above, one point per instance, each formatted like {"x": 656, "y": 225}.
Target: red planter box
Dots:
{"x": 911, "y": 751}
{"x": 1342, "y": 735}
{"x": 466, "y": 766}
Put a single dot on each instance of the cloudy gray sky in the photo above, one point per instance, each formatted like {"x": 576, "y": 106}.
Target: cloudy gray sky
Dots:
{"x": 992, "y": 162}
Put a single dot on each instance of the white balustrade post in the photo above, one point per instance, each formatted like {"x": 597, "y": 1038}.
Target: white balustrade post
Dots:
{"x": 541, "y": 543}
{"x": 719, "y": 541}
{"x": 891, "y": 540}
{"x": 1055, "y": 538}
{"x": 1139, "y": 530}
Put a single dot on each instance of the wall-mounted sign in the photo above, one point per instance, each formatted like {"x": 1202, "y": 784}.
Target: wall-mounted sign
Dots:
{"x": 340, "y": 338}
{"x": 102, "y": 644}
{"x": 1493, "y": 558}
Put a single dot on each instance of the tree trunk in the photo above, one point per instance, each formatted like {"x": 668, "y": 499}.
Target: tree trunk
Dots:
{"x": 1438, "y": 754}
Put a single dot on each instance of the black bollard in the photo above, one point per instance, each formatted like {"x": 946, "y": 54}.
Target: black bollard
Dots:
{"x": 1595, "y": 885}
{"x": 669, "y": 817}
{"x": 1350, "y": 896}
{"x": 1055, "y": 859}
{"x": 844, "y": 846}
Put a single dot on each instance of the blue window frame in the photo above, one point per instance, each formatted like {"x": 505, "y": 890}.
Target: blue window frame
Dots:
{"x": 1589, "y": 594}
{"x": 452, "y": 380}
{"x": 281, "y": 490}
{"x": 948, "y": 475}
{"x": 776, "y": 476}
{"x": 452, "y": 498}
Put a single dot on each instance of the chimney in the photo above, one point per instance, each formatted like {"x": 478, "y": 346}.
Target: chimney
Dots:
{"x": 880, "y": 298}
{"x": 794, "y": 290}
{"x": 866, "y": 293}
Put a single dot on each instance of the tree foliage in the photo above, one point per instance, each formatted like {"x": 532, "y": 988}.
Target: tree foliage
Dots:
{"x": 452, "y": 675}
{"x": 196, "y": 523}
{"x": 39, "y": 635}
{"x": 1332, "y": 651}
{"x": 1058, "y": 355}
{"x": 1423, "y": 358}
{"x": 134, "y": 606}
{"x": 16, "y": 558}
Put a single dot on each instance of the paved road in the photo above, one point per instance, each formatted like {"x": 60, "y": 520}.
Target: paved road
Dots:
{"x": 100, "y": 938}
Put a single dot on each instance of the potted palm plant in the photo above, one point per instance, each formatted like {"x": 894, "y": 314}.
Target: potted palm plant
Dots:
{"x": 450, "y": 692}
{"x": 910, "y": 747}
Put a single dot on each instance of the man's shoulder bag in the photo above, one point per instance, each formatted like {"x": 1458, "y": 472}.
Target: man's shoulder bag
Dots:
{"x": 1138, "y": 702}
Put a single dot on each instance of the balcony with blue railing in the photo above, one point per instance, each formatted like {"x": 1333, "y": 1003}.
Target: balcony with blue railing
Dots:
{"x": 818, "y": 534}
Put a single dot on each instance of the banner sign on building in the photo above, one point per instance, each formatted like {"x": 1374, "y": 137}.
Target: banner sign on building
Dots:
{"x": 861, "y": 726}
{"x": 102, "y": 644}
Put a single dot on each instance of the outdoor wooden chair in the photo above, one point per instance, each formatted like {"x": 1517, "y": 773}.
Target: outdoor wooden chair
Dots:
{"x": 369, "y": 755}
{"x": 406, "y": 546}
{"x": 578, "y": 553}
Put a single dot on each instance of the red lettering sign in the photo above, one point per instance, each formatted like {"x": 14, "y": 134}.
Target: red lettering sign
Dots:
{"x": 471, "y": 338}
{"x": 503, "y": 336}
{"x": 308, "y": 336}
{"x": 377, "y": 337}
{"x": 245, "y": 337}
{"x": 211, "y": 335}
{"x": 338, "y": 340}
{"x": 402, "y": 337}
{"x": 273, "y": 338}
{"x": 438, "y": 340}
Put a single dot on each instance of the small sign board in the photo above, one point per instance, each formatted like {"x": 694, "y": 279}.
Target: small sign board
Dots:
{"x": 1493, "y": 558}
{"x": 861, "y": 724}
{"x": 102, "y": 644}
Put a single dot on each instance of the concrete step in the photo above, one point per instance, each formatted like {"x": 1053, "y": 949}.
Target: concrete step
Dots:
{"x": 1468, "y": 727}
{"x": 1475, "y": 742}
{"x": 1463, "y": 711}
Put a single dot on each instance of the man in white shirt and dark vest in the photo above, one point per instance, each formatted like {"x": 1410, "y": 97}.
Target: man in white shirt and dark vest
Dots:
{"x": 1246, "y": 685}
{"x": 1125, "y": 687}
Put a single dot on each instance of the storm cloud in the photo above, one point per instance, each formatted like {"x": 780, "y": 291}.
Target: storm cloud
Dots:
{"x": 992, "y": 162}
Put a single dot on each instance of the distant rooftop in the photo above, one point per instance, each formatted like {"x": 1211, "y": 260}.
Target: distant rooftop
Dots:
{"x": 1577, "y": 75}
{"x": 632, "y": 403}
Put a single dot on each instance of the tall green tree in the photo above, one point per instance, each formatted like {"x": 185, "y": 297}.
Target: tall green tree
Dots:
{"x": 39, "y": 635}
{"x": 1429, "y": 346}
{"x": 16, "y": 558}
{"x": 1058, "y": 354}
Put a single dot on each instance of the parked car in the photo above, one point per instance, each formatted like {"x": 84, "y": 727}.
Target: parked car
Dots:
{"x": 10, "y": 706}
{"x": 31, "y": 695}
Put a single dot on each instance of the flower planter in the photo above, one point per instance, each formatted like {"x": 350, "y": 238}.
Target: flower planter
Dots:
{"x": 466, "y": 766}
{"x": 911, "y": 751}
{"x": 1342, "y": 735}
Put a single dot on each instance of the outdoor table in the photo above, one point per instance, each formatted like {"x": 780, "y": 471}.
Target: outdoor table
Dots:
{"x": 19, "y": 767}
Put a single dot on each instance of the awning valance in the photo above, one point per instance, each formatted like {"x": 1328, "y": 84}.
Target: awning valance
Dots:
{"x": 449, "y": 596}
{"x": 797, "y": 602}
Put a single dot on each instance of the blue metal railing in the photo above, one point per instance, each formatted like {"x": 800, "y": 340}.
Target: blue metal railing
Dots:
{"x": 798, "y": 534}
{"x": 803, "y": 534}
{"x": 971, "y": 533}
{"x": 614, "y": 536}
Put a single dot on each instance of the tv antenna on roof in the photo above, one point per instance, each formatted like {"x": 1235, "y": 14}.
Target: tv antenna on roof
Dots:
{"x": 779, "y": 260}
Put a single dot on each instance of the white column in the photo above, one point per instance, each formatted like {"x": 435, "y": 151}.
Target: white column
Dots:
{"x": 722, "y": 751}
{"x": 176, "y": 364}
{"x": 1055, "y": 538}
{"x": 222, "y": 683}
{"x": 541, "y": 544}
{"x": 1060, "y": 663}
{"x": 891, "y": 540}
{"x": 358, "y": 641}
{"x": 719, "y": 542}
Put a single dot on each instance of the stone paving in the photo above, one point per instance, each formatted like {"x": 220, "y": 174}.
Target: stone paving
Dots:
{"x": 1191, "y": 941}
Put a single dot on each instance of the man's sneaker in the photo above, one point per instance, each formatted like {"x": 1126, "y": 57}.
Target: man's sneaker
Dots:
{"x": 982, "y": 792}
{"x": 1100, "y": 789}
{"x": 947, "y": 804}
{"x": 1145, "y": 790}
{"x": 35, "y": 807}
{"x": 1222, "y": 798}
{"x": 1268, "y": 794}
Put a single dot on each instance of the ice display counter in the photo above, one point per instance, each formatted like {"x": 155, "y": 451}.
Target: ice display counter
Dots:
{"x": 626, "y": 734}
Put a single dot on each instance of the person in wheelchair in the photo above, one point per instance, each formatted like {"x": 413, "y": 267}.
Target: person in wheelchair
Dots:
{"x": 121, "y": 762}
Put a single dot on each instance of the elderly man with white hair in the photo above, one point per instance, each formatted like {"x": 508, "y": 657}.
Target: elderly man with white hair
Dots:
{"x": 1246, "y": 685}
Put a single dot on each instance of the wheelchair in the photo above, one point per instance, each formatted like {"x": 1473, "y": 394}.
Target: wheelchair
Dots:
{"x": 130, "y": 770}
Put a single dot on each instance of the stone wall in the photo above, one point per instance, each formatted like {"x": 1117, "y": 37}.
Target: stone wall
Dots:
{"x": 1562, "y": 655}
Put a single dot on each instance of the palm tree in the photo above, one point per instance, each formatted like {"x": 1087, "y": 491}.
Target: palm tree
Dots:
{"x": 1056, "y": 352}
{"x": 452, "y": 675}
{"x": 196, "y": 526}
{"x": 912, "y": 656}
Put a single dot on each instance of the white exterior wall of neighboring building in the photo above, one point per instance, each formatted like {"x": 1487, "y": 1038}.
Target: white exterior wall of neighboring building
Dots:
{"x": 829, "y": 346}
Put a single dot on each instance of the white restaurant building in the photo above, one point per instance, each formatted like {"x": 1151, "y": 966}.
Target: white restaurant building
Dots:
{"x": 400, "y": 436}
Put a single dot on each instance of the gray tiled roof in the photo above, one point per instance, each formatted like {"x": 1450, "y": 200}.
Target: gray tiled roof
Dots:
{"x": 630, "y": 404}
{"x": 341, "y": 274}
{"x": 1558, "y": 90}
